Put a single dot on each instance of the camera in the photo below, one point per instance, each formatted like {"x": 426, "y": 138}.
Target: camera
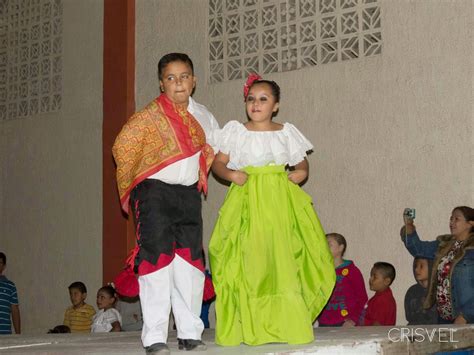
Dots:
{"x": 409, "y": 212}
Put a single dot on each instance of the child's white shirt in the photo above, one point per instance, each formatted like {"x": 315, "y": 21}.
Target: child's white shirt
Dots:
{"x": 102, "y": 321}
{"x": 260, "y": 148}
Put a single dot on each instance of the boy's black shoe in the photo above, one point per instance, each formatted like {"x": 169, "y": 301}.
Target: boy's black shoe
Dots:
{"x": 191, "y": 344}
{"x": 157, "y": 349}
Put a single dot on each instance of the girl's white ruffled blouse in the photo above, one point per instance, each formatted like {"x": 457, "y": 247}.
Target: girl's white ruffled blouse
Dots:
{"x": 287, "y": 146}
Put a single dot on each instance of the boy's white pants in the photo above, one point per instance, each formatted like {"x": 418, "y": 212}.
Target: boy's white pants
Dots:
{"x": 178, "y": 286}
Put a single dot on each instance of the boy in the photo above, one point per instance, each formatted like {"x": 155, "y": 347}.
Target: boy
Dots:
{"x": 9, "y": 309}
{"x": 78, "y": 317}
{"x": 415, "y": 296}
{"x": 163, "y": 155}
{"x": 381, "y": 308}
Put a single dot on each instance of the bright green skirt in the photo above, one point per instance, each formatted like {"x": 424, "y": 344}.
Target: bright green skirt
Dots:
{"x": 271, "y": 266}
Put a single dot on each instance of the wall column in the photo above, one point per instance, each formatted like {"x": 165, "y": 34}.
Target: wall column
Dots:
{"x": 119, "y": 104}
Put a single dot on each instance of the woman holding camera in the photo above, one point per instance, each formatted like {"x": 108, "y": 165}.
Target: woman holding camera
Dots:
{"x": 452, "y": 279}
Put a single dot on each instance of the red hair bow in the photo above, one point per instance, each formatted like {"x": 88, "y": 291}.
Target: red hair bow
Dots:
{"x": 250, "y": 80}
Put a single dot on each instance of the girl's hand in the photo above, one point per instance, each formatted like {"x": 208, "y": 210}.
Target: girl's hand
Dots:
{"x": 239, "y": 177}
{"x": 300, "y": 173}
{"x": 297, "y": 176}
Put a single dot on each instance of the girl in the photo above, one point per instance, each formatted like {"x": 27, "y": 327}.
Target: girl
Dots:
{"x": 349, "y": 295}
{"x": 108, "y": 319}
{"x": 272, "y": 268}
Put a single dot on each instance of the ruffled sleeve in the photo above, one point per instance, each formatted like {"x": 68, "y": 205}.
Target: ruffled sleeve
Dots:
{"x": 298, "y": 144}
{"x": 227, "y": 137}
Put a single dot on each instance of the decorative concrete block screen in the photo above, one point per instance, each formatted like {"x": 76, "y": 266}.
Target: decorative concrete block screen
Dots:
{"x": 267, "y": 36}
{"x": 30, "y": 57}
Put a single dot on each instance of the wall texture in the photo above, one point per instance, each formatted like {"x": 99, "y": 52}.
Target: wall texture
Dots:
{"x": 390, "y": 131}
{"x": 51, "y": 182}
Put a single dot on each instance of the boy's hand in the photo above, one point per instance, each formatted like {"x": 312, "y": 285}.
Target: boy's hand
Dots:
{"x": 297, "y": 176}
{"x": 239, "y": 177}
{"x": 348, "y": 323}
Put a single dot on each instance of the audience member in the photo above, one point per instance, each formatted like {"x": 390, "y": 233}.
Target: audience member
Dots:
{"x": 131, "y": 312}
{"x": 107, "y": 319}
{"x": 78, "y": 317}
{"x": 208, "y": 295}
{"x": 349, "y": 295}
{"x": 9, "y": 307}
{"x": 381, "y": 308}
{"x": 416, "y": 294}
{"x": 451, "y": 285}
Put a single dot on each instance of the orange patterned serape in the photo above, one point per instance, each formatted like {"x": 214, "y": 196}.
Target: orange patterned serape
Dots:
{"x": 159, "y": 135}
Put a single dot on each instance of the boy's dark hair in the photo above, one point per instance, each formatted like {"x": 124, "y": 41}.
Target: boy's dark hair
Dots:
{"x": 339, "y": 238}
{"x": 108, "y": 290}
{"x": 60, "y": 329}
{"x": 78, "y": 285}
{"x": 173, "y": 57}
{"x": 273, "y": 85}
{"x": 4, "y": 258}
{"x": 387, "y": 270}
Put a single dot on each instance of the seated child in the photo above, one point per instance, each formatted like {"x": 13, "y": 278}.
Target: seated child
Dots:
{"x": 415, "y": 296}
{"x": 78, "y": 317}
{"x": 381, "y": 308}
{"x": 131, "y": 312}
{"x": 108, "y": 319}
{"x": 208, "y": 297}
{"x": 209, "y": 294}
{"x": 349, "y": 295}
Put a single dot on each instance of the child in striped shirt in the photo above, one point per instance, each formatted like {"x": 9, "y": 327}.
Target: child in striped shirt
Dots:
{"x": 78, "y": 317}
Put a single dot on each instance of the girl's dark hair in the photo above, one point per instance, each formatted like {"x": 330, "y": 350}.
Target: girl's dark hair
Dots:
{"x": 467, "y": 212}
{"x": 339, "y": 238}
{"x": 108, "y": 290}
{"x": 173, "y": 57}
{"x": 273, "y": 85}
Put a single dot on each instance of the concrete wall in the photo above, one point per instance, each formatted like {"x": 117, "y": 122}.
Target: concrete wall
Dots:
{"x": 390, "y": 131}
{"x": 51, "y": 182}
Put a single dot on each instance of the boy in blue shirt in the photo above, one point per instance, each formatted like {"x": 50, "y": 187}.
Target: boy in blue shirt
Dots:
{"x": 9, "y": 308}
